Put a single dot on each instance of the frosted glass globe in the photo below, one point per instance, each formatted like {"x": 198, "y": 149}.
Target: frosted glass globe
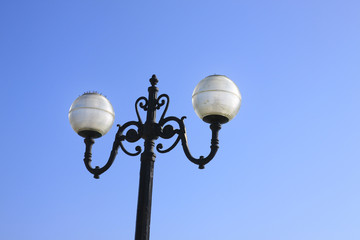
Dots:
{"x": 216, "y": 99}
{"x": 91, "y": 115}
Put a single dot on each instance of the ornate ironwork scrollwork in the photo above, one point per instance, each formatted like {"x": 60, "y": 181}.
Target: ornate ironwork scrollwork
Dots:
{"x": 151, "y": 131}
{"x": 161, "y": 103}
{"x": 131, "y": 136}
{"x": 144, "y": 105}
{"x": 167, "y": 132}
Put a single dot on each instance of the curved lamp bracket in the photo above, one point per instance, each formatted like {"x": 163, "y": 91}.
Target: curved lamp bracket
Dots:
{"x": 168, "y": 131}
{"x": 131, "y": 136}
{"x": 87, "y": 156}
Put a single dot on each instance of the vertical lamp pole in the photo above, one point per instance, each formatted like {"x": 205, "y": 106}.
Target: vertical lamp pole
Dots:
{"x": 147, "y": 167}
{"x": 216, "y": 100}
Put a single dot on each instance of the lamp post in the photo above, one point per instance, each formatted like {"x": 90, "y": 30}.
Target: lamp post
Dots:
{"x": 216, "y": 100}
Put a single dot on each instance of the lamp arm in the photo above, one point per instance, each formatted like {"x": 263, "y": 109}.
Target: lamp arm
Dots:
{"x": 202, "y": 161}
{"x": 131, "y": 135}
{"x": 168, "y": 132}
{"x": 87, "y": 156}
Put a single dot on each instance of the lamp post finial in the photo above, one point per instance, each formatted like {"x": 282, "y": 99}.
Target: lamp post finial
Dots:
{"x": 154, "y": 80}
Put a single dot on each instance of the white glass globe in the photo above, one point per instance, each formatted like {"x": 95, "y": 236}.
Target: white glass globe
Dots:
{"x": 91, "y": 115}
{"x": 216, "y": 99}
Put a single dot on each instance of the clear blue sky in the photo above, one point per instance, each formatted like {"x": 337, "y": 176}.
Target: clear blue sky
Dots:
{"x": 288, "y": 167}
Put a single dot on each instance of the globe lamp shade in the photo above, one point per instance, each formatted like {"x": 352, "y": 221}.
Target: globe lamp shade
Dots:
{"x": 216, "y": 99}
{"x": 91, "y": 115}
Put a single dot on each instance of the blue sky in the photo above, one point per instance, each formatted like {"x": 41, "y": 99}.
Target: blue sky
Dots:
{"x": 288, "y": 165}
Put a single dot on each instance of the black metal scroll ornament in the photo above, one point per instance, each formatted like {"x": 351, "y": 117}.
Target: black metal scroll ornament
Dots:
{"x": 150, "y": 131}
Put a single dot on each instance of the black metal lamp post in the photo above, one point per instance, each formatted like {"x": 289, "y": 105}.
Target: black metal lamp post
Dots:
{"x": 216, "y": 100}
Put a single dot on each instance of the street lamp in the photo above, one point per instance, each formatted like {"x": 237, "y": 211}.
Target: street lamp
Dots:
{"x": 216, "y": 100}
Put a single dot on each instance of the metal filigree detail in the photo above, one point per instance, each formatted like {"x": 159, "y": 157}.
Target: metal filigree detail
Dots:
{"x": 135, "y": 130}
{"x": 143, "y": 103}
{"x": 131, "y": 136}
{"x": 168, "y": 132}
{"x": 161, "y": 102}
